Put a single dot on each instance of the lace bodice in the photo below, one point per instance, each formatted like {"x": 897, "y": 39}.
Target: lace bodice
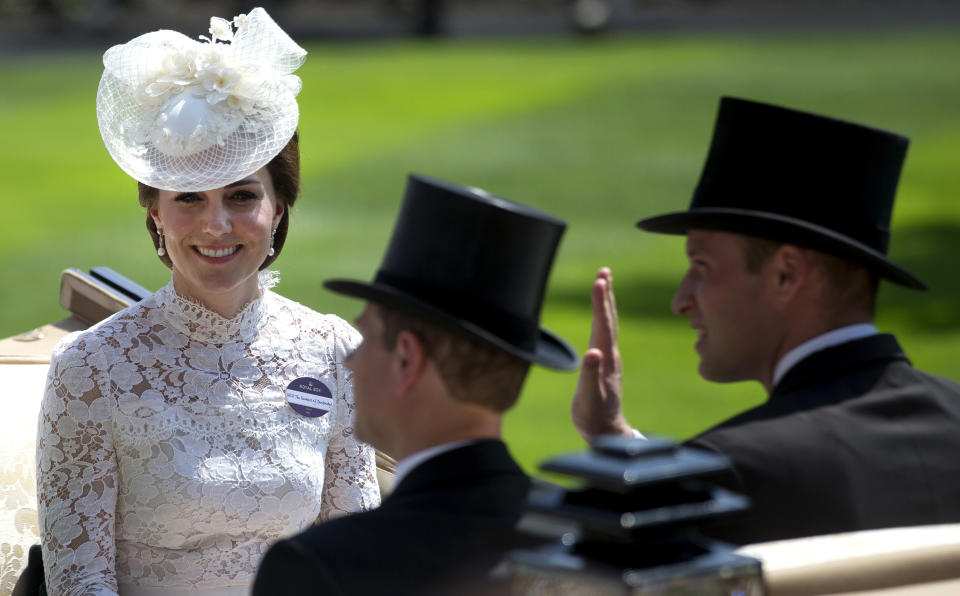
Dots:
{"x": 168, "y": 457}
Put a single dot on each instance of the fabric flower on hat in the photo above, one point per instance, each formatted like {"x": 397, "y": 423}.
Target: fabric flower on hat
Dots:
{"x": 207, "y": 71}
{"x": 177, "y": 71}
{"x": 241, "y": 21}
{"x": 222, "y": 29}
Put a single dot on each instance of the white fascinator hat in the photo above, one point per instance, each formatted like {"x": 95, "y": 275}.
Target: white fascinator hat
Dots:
{"x": 191, "y": 115}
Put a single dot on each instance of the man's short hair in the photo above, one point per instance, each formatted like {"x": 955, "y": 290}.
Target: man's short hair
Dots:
{"x": 757, "y": 251}
{"x": 848, "y": 285}
{"x": 473, "y": 370}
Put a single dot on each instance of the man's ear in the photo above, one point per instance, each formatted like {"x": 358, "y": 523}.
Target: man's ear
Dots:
{"x": 790, "y": 270}
{"x": 410, "y": 360}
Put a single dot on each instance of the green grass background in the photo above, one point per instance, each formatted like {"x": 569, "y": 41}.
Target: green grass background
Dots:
{"x": 600, "y": 132}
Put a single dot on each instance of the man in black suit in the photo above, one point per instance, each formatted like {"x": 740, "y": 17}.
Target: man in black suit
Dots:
{"x": 450, "y": 328}
{"x": 787, "y": 237}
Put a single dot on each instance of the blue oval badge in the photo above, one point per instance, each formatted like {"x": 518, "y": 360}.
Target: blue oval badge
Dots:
{"x": 309, "y": 397}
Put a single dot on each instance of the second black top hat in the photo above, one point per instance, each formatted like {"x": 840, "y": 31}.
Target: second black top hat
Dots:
{"x": 798, "y": 177}
{"x": 473, "y": 261}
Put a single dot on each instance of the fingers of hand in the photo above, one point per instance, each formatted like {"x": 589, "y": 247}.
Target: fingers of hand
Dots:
{"x": 597, "y": 326}
{"x": 589, "y": 386}
{"x": 613, "y": 303}
{"x": 604, "y": 318}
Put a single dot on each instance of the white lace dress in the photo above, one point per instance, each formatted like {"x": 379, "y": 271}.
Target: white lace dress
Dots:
{"x": 167, "y": 457}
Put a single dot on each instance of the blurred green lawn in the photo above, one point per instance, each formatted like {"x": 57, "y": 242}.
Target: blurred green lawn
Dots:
{"x": 600, "y": 132}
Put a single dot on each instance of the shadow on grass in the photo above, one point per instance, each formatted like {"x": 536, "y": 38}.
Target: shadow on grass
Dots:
{"x": 931, "y": 251}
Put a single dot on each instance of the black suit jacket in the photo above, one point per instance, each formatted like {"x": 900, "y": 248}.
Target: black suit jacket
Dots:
{"x": 852, "y": 438}
{"x": 441, "y": 531}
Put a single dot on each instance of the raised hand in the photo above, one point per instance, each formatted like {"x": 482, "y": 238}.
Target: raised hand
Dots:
{"x": 596, "y": 407}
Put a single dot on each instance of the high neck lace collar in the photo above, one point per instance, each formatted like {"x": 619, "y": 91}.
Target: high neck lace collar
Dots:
{"x": 199, "y": 323}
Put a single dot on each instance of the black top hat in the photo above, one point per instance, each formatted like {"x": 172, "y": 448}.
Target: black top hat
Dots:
{"x": 797, "y": 177}
{"x": 473, "y": 261}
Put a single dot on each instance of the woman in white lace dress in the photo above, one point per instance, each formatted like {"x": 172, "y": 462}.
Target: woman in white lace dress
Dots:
{"x": 183, "y": 435}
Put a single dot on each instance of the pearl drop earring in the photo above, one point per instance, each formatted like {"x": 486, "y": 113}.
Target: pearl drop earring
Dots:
{"x": 160, "y": 249}
{"x": 272, "y": 252}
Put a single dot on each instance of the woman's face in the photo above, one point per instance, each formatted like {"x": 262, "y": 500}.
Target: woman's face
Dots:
{"x": 217, "y": 239}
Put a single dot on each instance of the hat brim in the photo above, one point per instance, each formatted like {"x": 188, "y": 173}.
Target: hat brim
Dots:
{"x": 550, "y": 350}
{"x": 785, "y": 229}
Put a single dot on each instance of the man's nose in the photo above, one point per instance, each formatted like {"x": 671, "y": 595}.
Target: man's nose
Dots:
{"x": 683, "y": 297}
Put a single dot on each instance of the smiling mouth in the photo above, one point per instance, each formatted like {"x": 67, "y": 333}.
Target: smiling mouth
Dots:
{"x": 218, "y": 253}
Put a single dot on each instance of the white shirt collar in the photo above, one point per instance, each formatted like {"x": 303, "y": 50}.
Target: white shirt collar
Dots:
{"x": 407, "y": 464}
{"x": 821, "y": 342}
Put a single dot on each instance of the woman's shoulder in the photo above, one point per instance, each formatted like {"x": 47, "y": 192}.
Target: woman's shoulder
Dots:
{"x": 90, "y": 339}
{"x": 311, "y": 322}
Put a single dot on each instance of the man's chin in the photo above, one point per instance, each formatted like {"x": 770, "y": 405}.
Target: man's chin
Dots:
{"x": 365, "y": 435}
{"x": 709, "y": 371}
{"x": 360, "y": 431}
